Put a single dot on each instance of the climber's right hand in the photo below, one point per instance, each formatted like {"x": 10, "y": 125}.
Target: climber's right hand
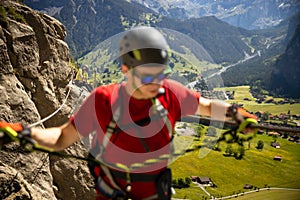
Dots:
{"x": 15, "y": 132}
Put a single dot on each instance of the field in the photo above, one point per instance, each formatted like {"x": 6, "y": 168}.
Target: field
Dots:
{"x": 229, "y": 174}
{"x": 272, "y": 195}
{"x": 242, "y": 92}
{"x": 256, "y": 168}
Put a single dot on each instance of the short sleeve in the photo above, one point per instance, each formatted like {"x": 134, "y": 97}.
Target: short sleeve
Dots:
{"x": 183, "y": 100}
{"x": 83, "y": 119}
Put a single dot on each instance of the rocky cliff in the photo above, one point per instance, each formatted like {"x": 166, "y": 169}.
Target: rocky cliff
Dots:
{"x": 285, "y": 77}
{"x": 34, "y": 75}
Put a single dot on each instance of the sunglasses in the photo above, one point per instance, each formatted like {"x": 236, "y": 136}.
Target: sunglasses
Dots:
{"x": 146, "y": 79}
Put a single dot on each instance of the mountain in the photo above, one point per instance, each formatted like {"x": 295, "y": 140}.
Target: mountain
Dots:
{"x": 285, "y": 77}
{"x": 90, "y": 22}
{"x": 276, "y": 70}
{"x": 256, "y": 14}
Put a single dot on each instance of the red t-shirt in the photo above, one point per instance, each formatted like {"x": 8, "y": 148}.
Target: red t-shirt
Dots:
{"x": 136, "y": 143}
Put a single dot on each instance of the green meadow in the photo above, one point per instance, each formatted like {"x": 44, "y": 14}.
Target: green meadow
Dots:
{"x": 272, "y": 195}
{"x": 256, "y": 167}
{"x": 242, "y": 92}
{"x": 230, "y": 174}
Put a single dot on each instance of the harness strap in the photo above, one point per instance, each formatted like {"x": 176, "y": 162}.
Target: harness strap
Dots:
{"x": 110, "y": 177}
{"x": 104, "y": 188}
{"x": 109, "y": 131}
{"x": 111, "y": 128}
{"x": 162, "y": 112}
{"x": 155, "y": 196}
{"x": 113, "y": 123}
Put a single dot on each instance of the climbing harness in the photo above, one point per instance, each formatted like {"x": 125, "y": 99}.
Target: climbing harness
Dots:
{"x": 122, "y": 171}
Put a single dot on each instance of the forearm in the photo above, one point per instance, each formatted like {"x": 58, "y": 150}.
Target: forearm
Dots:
{"x": 57, "y": 138}
{"x": 46, "y": 137}
{"x": 216, "y": 109}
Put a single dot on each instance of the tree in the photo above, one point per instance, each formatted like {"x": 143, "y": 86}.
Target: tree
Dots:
{"x": 274, "y": 138}
{"x": 260, "y": 145}
{"x": 180, "y": 182}
{"x": 174, "y": 182}
{"x": 188, "y": 181}
{"x": 200, "y": 131}
{"x": 229, "y": 149}
{"x": 265, "y": 116}
{"x": 241, "y": 152}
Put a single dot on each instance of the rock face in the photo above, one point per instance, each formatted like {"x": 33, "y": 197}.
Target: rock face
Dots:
{"x": 34, "y": 75}
{"x": 285, "y": 78}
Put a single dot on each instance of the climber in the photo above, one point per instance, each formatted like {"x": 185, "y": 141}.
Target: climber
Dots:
{"x": 82, "y": 74}
{"x": 133, "y": 122}
{"x": 82, "y": 78}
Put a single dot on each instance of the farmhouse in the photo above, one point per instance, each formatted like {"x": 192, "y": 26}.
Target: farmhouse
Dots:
{"x": 275, "y": 145}
{"x": 206, "y": 181}
{"x": 195, "y": 179}
{"x": 278, "y": 158}
{"x": 259, "y": 114}
{"x": 260, "y": 131}
{"x": 248, "y": 186}
{"x": 273, "y": 134}
{"x": 202, "y": 180}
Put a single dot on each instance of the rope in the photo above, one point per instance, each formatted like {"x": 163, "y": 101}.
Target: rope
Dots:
{"x": 29, "y": 145}
{"x": 120, "y": 166}
{"x": 32, "y": 146}
{"x": 233, "y": 125}
{"x": 56, "y": 111}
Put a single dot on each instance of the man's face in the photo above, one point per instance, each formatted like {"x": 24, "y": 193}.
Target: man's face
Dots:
{"x": 148, "y": 79}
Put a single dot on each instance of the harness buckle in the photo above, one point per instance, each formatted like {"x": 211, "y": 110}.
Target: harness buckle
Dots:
{"x": 108, "y": 191}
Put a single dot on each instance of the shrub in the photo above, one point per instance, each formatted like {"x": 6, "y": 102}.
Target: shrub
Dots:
{"x": 15, "y": 15}
{"x": 260, "y": 145}
{"x": 3, "y": 17}
{"x": 181, "y": 183}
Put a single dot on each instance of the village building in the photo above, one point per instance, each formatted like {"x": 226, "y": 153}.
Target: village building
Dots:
{"x": 205, "y": 181}
{"x": 260, "y": 131}
{"x": 195, "y": 179}
{"x": 248, "y": 186}
{"x": 275, "y": 145}
{"x": 259, "y": 114}
{"x": 278, "y": 158}
{"x": 272, "y": 133}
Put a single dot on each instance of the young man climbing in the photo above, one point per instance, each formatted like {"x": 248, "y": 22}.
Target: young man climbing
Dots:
{"x": 130, "y": 125}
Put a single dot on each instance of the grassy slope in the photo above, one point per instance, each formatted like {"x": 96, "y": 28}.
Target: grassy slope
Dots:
{"x": 257, "y": 167}
{"x": 272, "y": 195}
{"x": 242, "y": 92}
